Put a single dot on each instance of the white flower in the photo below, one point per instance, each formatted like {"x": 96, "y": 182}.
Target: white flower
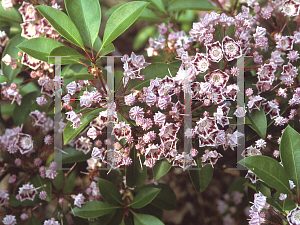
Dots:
{"x": 79, "y": 200}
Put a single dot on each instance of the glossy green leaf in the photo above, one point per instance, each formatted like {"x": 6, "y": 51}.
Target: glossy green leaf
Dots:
{"x": 73, "y": 55}
{"x": 290, "y": 153}
{"x": 37, "y": 181}
{"x": 117, "y": 218}
{"x": 269, "y": 171}
{"x": 70, "y": 133}
{"x": 202, "y": 177}
{"x": 33, "y": 221}
{"x": 288, "y": 204}
{"x": 93, "y": 209}
{"x": 86, "y": 16}
{"x": 161, "y": 168}
{"x": 144, "y": 197}
{"x": 166, "y": 198}
{"x": 152, "y": 210}
{"x": 28, "y": 104}
{"x": 74, "y": 155}
{"x": 203, "y": 5}
{"x": 12, "y": 50}
{"x": 135, "y": 175}
{"x": 109, "y": 192}
{"x": 39, "y": 48}
{"x": 62, "y": 24}
{"x": 121, "y": 19}
{"x": 261, "y": 187}
{"x": 103, "y": 220}
{"x": 146, "y": 219}
{"x": 10, "y": 15}
{"x": 3, "y": 79}
{"x": 258, "y": 122}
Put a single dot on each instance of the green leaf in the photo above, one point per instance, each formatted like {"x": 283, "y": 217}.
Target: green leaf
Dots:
{"x": 148, "y": 15}
{"x": 7, "y": 109}
{"x": 58, "y": 180}
{"x": 10, "y": 15}
{"x": 260, "y": 186}
{"x": 117, "y": 218}
{"x": 152, "y": 210}
{"x": 121, "y": 19}
{"x": 159, "y": 4}
{"x": 27, "y": 88}
{"x": 258, "y": 122}
{"x": 93, "y": 209}
{"x": 79, "y": 221}
{"x": 237, "y": 184}
{"x": 161, "y": 168}
{"x": 70, "y": 133}
{"x": 62, "y": 24}
{"x": 39, "y": 48}
{"x": 144, "y": 197}
{"x": 202, "y": 177}
{"x": 74, "y": 155}
{"x": 109, "y": 192}
{"x": 166, "y": 198}
{"x": 37, "y": 181}
{"x": 86, "y": 16}
{"x": 65, "y": 51}
{"x": 142, "y": 37}
{"x": 288, "y": 204}
{"x": 146, "y": 219}
{"x": 111, "y": 10}
{"x": 290, "y": 154}
{"x": 135, "y": 176}
{"x": 106, "y": 50}
{"x": 12, "y": 50}
{"x": 3, "y": 79}
{"x": 70, "y": 182}
{"x": 269, "y": 171}
{"x": 76, "y": 72}
{"x": 203, "y": 5}
{"x": 103, "y": 220}
{"x": 159, "y": 69}
{"x": 28, "y": 104}
{"x": 33, "y": 221}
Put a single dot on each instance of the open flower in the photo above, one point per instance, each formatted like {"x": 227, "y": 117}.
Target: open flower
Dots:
{"x": 231, "y": 49}
{"x": 201, "y": 63}
{"x": 24, "y": 143}
{"x": 217, "y": 77}
{"x": 28, "y": 12}
{"x": 29, "y": 30}
{"x": 210, "y": 157}
{"x": 184, "y": 160}
{"x": 27, "y": 191}
{"x": 214, "y": 51}
{"x": 122, "y": 130}
{"x": 31, "y": 62}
